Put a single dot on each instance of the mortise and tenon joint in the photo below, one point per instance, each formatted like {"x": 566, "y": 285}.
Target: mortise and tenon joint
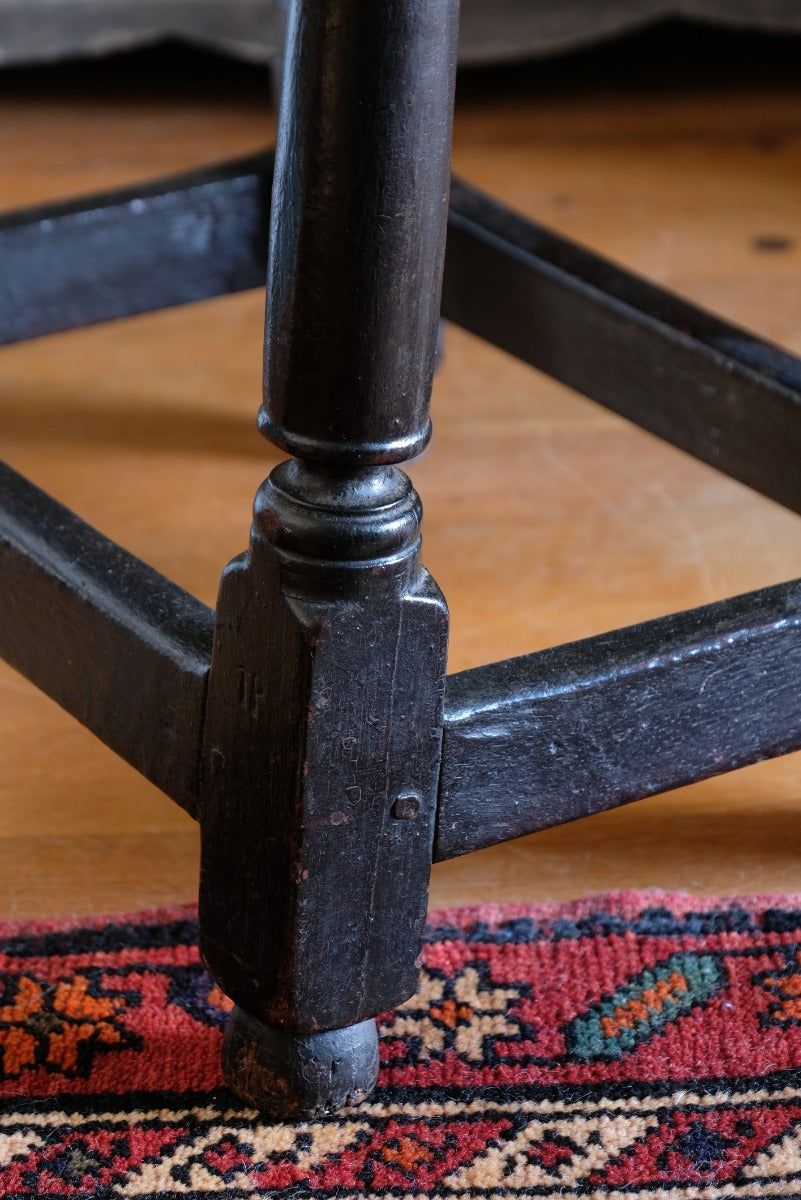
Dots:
{"x": 324, "y": 715}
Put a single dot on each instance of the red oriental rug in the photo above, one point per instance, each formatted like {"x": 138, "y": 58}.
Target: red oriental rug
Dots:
{"x": 635, "y": 1045}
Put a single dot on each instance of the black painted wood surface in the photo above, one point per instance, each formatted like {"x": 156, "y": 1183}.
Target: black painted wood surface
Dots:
{"x": 324, "y": 722}
{"x": 358, "y": 228}
{"x": 289, "y": 1077}
{"x": 115, "y": 254}
{"x": 709, "y": 387}
{"x": 321, "y": 757}
{"x": 116, "y": 644}
{"x": 543, "y": 739}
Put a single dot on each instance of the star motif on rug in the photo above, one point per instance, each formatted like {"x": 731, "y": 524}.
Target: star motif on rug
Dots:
{"x": 60, "y": 1025}
{"x": 465, "y": 1013}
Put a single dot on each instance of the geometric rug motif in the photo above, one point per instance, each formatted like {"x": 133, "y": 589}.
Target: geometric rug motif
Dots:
{"x": 631, "y": 1046}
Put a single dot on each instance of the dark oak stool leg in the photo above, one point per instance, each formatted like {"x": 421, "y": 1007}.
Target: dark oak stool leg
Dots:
{"x": 324, "y": 720}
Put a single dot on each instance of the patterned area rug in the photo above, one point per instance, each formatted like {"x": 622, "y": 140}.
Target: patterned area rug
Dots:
{"x": 635, "y": 1045}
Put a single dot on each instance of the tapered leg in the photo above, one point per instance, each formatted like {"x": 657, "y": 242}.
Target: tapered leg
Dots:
{"x": 324, "y": 719}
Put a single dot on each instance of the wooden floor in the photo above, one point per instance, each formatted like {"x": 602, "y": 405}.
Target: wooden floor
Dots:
{"x": 546, "y": 518}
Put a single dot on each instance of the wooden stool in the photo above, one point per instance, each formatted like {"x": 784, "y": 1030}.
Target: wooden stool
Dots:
{"x": 307, "y": 723}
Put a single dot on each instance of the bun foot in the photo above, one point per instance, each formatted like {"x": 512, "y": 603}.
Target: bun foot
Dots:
{"x": 288, "y": 1076}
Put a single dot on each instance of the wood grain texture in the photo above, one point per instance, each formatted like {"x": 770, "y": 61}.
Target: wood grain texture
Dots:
{"x": 147, "y": 429}
{"x": 534, "y": 741}
{"x": 320, "y": 766}
{"x": 115, "y": 643}
{"x": 101, "y": 257}
{"x": 357, "y": 231}
{"x": 324, "y": 722}
{"x": 710, "y": 388}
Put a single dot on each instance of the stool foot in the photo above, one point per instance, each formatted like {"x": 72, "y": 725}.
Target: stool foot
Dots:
{"x": 289, "y": 1076}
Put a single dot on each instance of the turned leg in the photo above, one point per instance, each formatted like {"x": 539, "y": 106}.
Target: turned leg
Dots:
{"x": 324, "y": 718}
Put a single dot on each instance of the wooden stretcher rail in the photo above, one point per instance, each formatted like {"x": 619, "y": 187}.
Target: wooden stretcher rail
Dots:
{"x": 528, "y": 743}
{"x": 710, "y": 388}
{"x": 111, "y": 640}
{"x": 116, "y": 254}
{"x": 549, "y": 737}
{"x": 714, "y": 390}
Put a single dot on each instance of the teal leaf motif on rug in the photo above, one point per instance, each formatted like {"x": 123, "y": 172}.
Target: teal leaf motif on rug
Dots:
{"x": 682, "y": 1072}
{"x": 646, "y": 1004}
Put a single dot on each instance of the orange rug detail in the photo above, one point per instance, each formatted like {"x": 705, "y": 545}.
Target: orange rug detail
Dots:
{"x": 633, "y": 1045}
